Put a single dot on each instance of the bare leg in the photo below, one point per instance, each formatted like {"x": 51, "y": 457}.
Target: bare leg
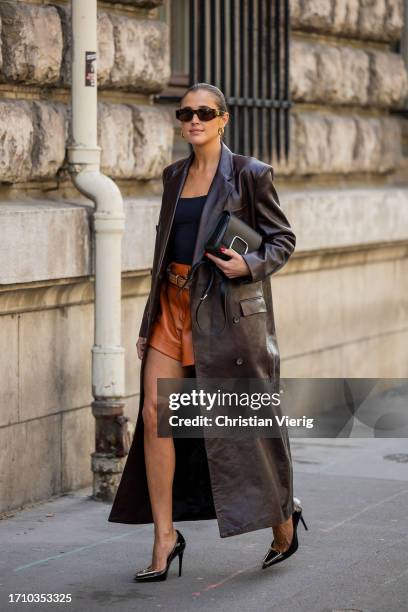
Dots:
{"x": 283, "y": 535}
{"x": 159, "y": 455}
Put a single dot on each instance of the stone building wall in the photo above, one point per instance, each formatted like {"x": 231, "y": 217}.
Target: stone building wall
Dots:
{"x": 340, "y": 304}
{"x": 345, "y": 187}
{"x": 46, "y": 250}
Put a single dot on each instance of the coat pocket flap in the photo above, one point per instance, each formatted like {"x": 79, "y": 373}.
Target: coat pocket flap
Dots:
{"x": 253, "y": 305}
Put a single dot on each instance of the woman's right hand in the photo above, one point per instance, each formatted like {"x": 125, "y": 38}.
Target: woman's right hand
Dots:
{"x": 141, "y": 346}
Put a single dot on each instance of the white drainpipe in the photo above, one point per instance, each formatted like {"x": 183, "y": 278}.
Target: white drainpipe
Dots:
{"x": 108, "y": 383}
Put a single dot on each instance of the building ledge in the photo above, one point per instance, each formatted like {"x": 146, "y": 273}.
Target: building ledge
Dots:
{"x": 46, "y": 240}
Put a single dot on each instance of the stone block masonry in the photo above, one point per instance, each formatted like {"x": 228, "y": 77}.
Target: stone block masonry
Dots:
{"x": 136, "y": 140}
{"x": 36, "y": 48}
{"x": 343, "y": 191}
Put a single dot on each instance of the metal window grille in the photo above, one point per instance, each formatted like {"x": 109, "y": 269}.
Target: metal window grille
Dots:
{"x": 242, "y": 47}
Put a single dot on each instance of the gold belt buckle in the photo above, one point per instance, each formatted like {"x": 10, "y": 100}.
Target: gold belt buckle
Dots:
{"x": 183, "y": 280}
{"x": 177, "y": 276}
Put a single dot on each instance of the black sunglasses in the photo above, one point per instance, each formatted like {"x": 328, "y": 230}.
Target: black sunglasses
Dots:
{"x": 204, "y": 113}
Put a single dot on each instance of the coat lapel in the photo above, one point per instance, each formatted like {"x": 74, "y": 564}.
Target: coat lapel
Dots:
{"x": 220, "y": 188}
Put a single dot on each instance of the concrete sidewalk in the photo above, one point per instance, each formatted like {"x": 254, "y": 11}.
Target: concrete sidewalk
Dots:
{"x": 354, "y": 556}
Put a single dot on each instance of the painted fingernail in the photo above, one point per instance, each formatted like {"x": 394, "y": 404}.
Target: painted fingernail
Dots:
{"x": 222, "y": 248}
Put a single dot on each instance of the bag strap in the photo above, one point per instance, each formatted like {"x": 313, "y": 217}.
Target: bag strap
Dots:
{"x": 223, "y": 291}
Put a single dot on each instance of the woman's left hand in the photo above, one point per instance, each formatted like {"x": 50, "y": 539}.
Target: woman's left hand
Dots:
{"x": 236, "y": 266}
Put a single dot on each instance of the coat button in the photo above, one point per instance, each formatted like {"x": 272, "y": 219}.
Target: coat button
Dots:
{"x": 239, "y": 361}
{"x": 236, "y": 319}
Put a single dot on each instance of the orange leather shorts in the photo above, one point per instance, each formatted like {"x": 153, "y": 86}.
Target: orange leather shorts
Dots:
{"x": 171, "y": 331}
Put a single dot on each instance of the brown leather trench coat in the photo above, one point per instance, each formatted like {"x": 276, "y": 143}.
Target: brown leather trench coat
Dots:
{"x": 246, "y": 484}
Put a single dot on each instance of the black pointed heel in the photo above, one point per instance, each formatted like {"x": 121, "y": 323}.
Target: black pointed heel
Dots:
{"x": 274, "y": 556}
{"x": 303, "y": 520}
{"x": 148, "y": 575}
{"x": 181, "y": 553}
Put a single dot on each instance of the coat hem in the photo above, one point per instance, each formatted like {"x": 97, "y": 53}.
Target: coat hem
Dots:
{"x": 264, "y": 523}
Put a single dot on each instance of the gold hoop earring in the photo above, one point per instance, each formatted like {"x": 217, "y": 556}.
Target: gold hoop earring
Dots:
{"x": 181, "y": 133}
{"x": 220, "y": 131}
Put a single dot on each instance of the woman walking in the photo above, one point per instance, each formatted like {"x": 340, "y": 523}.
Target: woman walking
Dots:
{"x": 244, "y": 484}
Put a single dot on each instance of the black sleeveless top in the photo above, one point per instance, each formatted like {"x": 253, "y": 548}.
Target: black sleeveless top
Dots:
{"x": 184, "y": 229}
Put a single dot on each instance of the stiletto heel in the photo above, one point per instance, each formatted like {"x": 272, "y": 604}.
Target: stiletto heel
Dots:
{"x": 303, "y": 521}
{"x": 274, "y": 556}
{"x": 149, "y": 575}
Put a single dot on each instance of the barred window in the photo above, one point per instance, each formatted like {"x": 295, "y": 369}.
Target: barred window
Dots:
{"x": 242, "y": 47}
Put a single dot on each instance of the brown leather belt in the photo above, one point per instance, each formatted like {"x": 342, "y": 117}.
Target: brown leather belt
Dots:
{"x": 176, "y": 279}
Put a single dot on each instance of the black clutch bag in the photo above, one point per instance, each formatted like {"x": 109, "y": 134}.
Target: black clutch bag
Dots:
{"x": 233, "y": 233}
